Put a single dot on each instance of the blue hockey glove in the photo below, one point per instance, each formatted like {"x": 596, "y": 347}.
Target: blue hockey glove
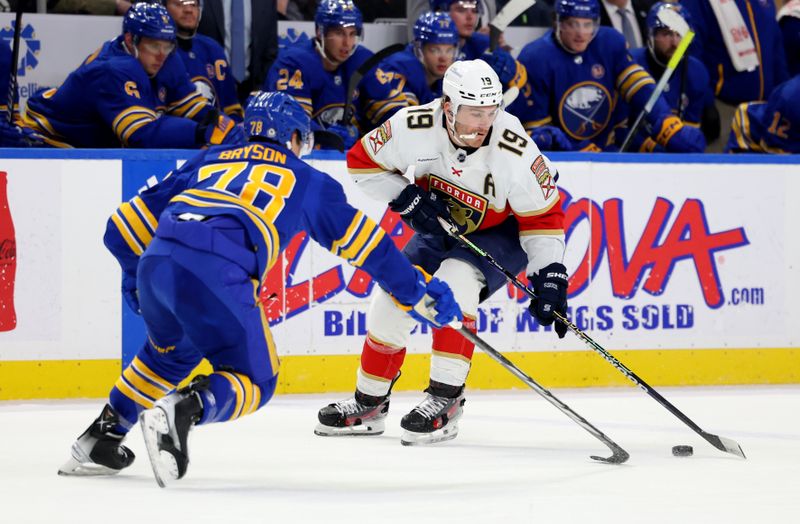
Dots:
{"x": 550, "y": 286}
{"x": 437, "y": 306}
{"x": 14, "y": 136}
{"x": 679, "y": 138}
{"x": 419, "y": 209}
{"x": 221, "y": 130}
{"x": 503, "y": 64}
{"x": 130, "y": 293}
{"x": 551, "y": 138}
{"x": 348, "y": 133}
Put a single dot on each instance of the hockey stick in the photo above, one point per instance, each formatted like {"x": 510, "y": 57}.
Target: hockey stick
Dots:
{"x": 12, "y": 76}
{"x": 328, "y": 140}
{"x": 362, "y": 70}
{"x": 721, "y": 443}
{"x": 674, "y": 21}
{"x": 619, "y": 455}
{"x": 496, "y": 27}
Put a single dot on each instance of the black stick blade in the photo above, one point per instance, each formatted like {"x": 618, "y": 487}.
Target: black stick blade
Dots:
{"x": 620, "y": 456}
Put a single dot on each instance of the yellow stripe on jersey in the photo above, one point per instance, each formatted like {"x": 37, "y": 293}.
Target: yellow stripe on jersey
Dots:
{"x": 520, "y": 76}
{"x": 143, "y": 210}
{"x": 364, "y": 238}
{"x": 533, "y": 124}
{"x": 632, "y": 79}
{"x": 131, "y": 119}
{"x": 272, "y": 349}
{"x": 187, "y": 106}
{"x": 142, "y": 385}
{"x": 359, "y": 259}
{"x": 195, "y": 197}
{"x": 355, "y": 224}
{"x": 233, "y": 110}
{"x": 542, "y": 232}
{"x": 126, "y": 234}
{"x": 132, "y": 394}
{"x": 136, "y": 224}
{"x": 40, "y": 122}
{"x": 142, "y": 369}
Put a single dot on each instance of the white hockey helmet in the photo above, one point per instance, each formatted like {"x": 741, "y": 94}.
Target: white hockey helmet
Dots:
{"x": 470, "y": 83}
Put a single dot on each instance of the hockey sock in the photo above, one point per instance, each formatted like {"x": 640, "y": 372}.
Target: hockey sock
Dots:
{"x": 380, "y": 364}
{"x": 231, "y": 395}
{"x": 136, "y": 390}
{"x": 452, "y": 354}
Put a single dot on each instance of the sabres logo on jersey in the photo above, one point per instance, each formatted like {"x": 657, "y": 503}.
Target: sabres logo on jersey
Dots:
{"x": 585, "y": 110}
{"x": 467, "y": 209}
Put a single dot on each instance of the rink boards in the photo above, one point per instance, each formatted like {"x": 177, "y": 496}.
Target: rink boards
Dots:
{"x": 683, "y": 268}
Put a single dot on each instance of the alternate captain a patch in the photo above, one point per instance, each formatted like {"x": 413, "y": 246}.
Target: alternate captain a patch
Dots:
{"x": 380, "y": 136}
{"x": 467, "y": 209}
{"x": 542, "y": 174}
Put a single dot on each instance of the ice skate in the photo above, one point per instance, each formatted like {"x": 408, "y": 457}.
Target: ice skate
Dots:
{"x": 435, "y": 419}
{"x": 99, "y": 450}
{"x": 166, "y": 428}
{"x": 359, "y": 415}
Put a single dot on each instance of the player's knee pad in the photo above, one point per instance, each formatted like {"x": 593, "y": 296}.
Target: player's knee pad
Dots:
{"x": 466, "y": 282}
{"x": 386, "y": 322}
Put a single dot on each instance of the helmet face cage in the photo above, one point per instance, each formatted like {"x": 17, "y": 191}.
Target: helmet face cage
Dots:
{"x": 276, "y": 116}
{"x": 470, "y": 83}
{"x": 654, "y": 23}
{"x": 149, "y": 20}
{"x": 576, "y": 9}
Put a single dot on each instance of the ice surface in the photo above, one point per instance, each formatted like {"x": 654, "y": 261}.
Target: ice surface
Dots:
{"x": 516, "y": 460}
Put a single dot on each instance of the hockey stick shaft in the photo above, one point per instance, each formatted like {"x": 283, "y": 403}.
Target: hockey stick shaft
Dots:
{"x": 721, "y": 443}
{"x": 508, "y": 14}
{"x": 12, "y": 76}
{"x": 362, "y": 70}
{"x": 619, "y": 455}
{"x": 662, "y": 83}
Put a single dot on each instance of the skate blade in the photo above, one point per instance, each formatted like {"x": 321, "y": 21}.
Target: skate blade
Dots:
{"x": 154, "y": 424}
{"x": 412, "y": 438}
{"x": 75, "y": 468}
{"x": 363, "y": 429}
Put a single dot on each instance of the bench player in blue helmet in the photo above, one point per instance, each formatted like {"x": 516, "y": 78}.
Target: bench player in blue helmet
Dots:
{"x": 411, "y": 77}
{"x": 204, "y": 58}
{"x": 317, "y": 72}
{"x": 688, "y": 93}
{"x": 582, "y": 71}
{"x": 133, "y": 92}
{"x": 195, "y": 274}
{"x": 473, "y": 45}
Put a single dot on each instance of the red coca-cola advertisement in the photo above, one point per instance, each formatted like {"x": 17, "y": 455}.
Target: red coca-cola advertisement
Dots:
{"x": 8, "y": 260}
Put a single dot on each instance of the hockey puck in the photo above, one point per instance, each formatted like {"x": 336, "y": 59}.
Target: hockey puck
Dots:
{"x": 682, "y": 451}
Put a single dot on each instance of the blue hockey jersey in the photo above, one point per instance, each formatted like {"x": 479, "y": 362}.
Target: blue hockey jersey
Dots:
{"x": 274, "y": 195}
{"x": 580, "y": 92}
{"x": 476, "y": 45}
{"x": 398, "y": 81}
{"x": 768, "y": 127}
{"x": 298, "y": 70}
{"x": 208, "y": 69}
{"x": 110, "y": 101}
{"x": 729, "y": 85}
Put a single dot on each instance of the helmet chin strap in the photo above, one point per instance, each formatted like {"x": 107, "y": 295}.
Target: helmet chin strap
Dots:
{"x": 456, "y": 136}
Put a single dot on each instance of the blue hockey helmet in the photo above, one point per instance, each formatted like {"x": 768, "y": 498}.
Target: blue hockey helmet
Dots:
{"x": 578, "y": 9}
{"x": 444, "y": 5}
{"x": 150, "y": 20}
{"x": 435, "y": 28}
{"x": 338, "y": 13}
{"x": 275, "y": 115}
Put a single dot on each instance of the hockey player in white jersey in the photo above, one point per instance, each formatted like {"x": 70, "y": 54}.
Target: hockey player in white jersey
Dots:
{"x": 466, "y": 159}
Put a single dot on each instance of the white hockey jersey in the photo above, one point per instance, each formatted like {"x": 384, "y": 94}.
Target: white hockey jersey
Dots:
{"x": 507, "y": 175}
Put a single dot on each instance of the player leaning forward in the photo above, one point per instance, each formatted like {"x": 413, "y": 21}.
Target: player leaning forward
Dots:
{"x": 472, "y": 162}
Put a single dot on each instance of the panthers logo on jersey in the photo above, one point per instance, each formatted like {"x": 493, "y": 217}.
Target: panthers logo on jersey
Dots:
{"x": 585, "y": 110}
{"x": 466, "y": 208}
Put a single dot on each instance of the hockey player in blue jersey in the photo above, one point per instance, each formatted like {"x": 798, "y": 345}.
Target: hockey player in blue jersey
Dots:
{"x": 204, "y": 59}
{"x": 316, "y": 73}
{"x": 687, "y": 94}
{"x": 768, "y": 127}
{"x": 133, "y": 92}
{"x": 194, "y": 273}
{"x": 582, "y": 70}
{"x": 473, "y": 45}
{"x": 411, "y": 77}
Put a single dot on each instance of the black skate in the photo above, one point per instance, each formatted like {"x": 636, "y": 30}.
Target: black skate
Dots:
{"x": 361, "y": 415}
{"x": 99, "y": 450}
{"x": 166, "y": 431}
{"x": 435, "y": 418}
